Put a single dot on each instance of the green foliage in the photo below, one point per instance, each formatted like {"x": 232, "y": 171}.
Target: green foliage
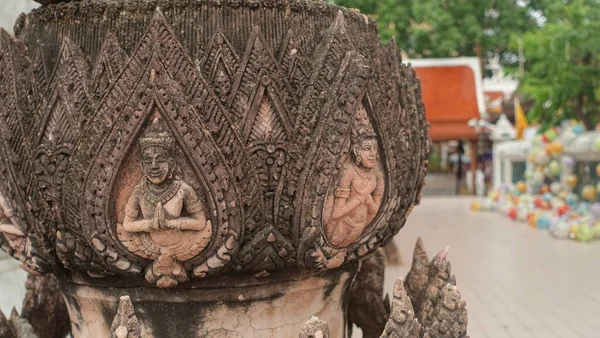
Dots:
{"x": 447, "y": 28}
{"x": 563, "y": 63}
{"x": 560, "y": 40}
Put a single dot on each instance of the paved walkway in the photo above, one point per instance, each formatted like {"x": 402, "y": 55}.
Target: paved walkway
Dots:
{"x": 517, "y": 281}
{"x": 12, "y": 284}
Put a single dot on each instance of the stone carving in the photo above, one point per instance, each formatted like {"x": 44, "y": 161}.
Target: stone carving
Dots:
{"x": 125, "y": 324}
{"x": 431, "y": 308}
{"x": 315, "y": 328}
{"x": 164, "y": 218}
{"x": 269, "y": 107}
{"x": 402, "y": 321}
{"x": 270, "y": 124}
{"x": 359, "y": 191}
{"x": 12, "y": 228}
{"x": 367, "y": 308}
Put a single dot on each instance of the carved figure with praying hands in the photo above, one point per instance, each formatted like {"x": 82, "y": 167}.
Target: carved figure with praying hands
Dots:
{"x": 164, "y": 218}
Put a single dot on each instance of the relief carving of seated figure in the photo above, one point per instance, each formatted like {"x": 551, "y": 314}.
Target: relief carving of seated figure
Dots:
{"x": 164, "y": 218}
{"x": 359, "y": 192}
{"x": 13, "y": 229}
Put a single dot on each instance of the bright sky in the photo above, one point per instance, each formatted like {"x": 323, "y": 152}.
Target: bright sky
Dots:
{"x": 10, "y": 10}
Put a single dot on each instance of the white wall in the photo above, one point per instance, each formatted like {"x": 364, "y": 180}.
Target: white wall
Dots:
{"x": 10, "y": 10}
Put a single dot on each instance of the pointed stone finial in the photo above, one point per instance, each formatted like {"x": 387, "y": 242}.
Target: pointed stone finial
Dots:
{"x": 316, "y": 328}
{"x": 419, "y": 272}
{"x": 125, "y": 324}
{"x": 402, "y": 321}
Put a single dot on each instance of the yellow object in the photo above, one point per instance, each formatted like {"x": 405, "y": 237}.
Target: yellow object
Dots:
{"x": 589, "y": 192}
{"x": 475, "y": 206}
{"x": 598, "y": 170}
{"x": 557, "y": 147}
{"x": 520, "y": 120}
{"x": 521, "y": 187}
{"x": 572, "y": 181}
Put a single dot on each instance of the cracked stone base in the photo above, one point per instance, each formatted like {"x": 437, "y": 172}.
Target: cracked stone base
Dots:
{"x": 257, "y": 310}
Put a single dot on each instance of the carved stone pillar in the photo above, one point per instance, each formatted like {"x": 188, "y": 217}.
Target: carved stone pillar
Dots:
{"x": 224, "y": 163}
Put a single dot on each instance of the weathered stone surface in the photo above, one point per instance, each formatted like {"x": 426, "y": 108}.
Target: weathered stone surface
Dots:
{"x": 442, "y": 311}
{"x": 367, "y": 307}
{"x": 270, "y": 123}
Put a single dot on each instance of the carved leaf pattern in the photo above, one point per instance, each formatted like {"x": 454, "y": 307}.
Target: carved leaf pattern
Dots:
{"x": 265, "y": 182}
{"x": 266, "y": 125}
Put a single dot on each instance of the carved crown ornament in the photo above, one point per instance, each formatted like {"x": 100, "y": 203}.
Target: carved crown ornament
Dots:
{"x": 162, "y": 152}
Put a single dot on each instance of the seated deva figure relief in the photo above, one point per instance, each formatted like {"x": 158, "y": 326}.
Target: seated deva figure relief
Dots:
{"x": 355, "y": 200}
{"x": 13, "y": 229}
{"x": 164, "y": 218}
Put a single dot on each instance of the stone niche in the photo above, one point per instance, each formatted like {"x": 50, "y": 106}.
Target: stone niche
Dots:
{"x": 222, "y": 164}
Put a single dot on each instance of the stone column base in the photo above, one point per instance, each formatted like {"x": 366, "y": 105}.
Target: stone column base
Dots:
{"x": 254, "y": 309}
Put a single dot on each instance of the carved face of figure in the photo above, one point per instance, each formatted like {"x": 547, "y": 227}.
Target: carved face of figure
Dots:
{"x": 366, "y": 153}
{"x": 156, "y": 164}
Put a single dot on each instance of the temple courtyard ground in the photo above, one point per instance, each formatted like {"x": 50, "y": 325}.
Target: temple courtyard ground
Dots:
{"x": 517, "y": 281}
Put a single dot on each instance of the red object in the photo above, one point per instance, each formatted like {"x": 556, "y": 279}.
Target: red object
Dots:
{"x": 539, "y": 202}
{"x": 512, "y": 213}
{"x": 450, "y": 99}
{"x": 544, "y": 138}
{"x": 563, "y": 210}
{"x": 598, "y": 127}
{"x": 544, "y": 189}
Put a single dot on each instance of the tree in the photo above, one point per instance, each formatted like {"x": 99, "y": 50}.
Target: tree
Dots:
{"x": 562, "y": 72}
{"x": 449, "y": 28}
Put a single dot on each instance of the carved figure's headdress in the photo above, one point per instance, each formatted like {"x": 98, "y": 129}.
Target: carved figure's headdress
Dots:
{"x": 157, "y": 135}
{"x": 362, "y": 128}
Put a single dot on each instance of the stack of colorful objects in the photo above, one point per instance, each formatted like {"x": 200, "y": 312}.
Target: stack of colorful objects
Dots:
{"x": 552, "y": 196}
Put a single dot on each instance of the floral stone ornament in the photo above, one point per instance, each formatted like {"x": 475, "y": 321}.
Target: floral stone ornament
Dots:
{"x": 214, "y": 161}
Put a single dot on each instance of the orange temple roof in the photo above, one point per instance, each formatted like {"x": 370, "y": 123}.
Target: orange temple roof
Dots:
{"x": 452, "y": 94}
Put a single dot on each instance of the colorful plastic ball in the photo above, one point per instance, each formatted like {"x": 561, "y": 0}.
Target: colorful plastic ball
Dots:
{"x": 541, "y": 158}
{"x": 554, "y": 168}
{"x": 521, "y": 187}
{"x": 543, "y": 222}
{"x": 544, "y": 138}
{"x": 563, "y": 210}
{"x": 555, "y": 188}
{"x": 589, "y": 192}
{"x": 572, "y": 180}
{"x": 532, "y": 219}
{"x": 598, "y": 127}
{"x": 583, "y": 208}
{"x": 584, "y": 233}
{"x": 561, "y": 230}
{"x": 595, "y": 210}
{"x": 597, "y": 144}
{"x": 598, "y": 170}
{"x": 547, "y": 197}
{"x": 549, "y": 149}
{"x": 557, "y": 147}
{"x": 539, "y": 177}
{"x": 571, "y": 199}
{"x": 475, "y": 206}
{"x": 522, "y": 214}
{"x": 512, "y": 213}
{"x": 544, "y": 189}
{"x": 556, "y": 203}
{"x": 550, "y": 134}
{"x": 578, "y": 129}
{"x": 568, "y": 162}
